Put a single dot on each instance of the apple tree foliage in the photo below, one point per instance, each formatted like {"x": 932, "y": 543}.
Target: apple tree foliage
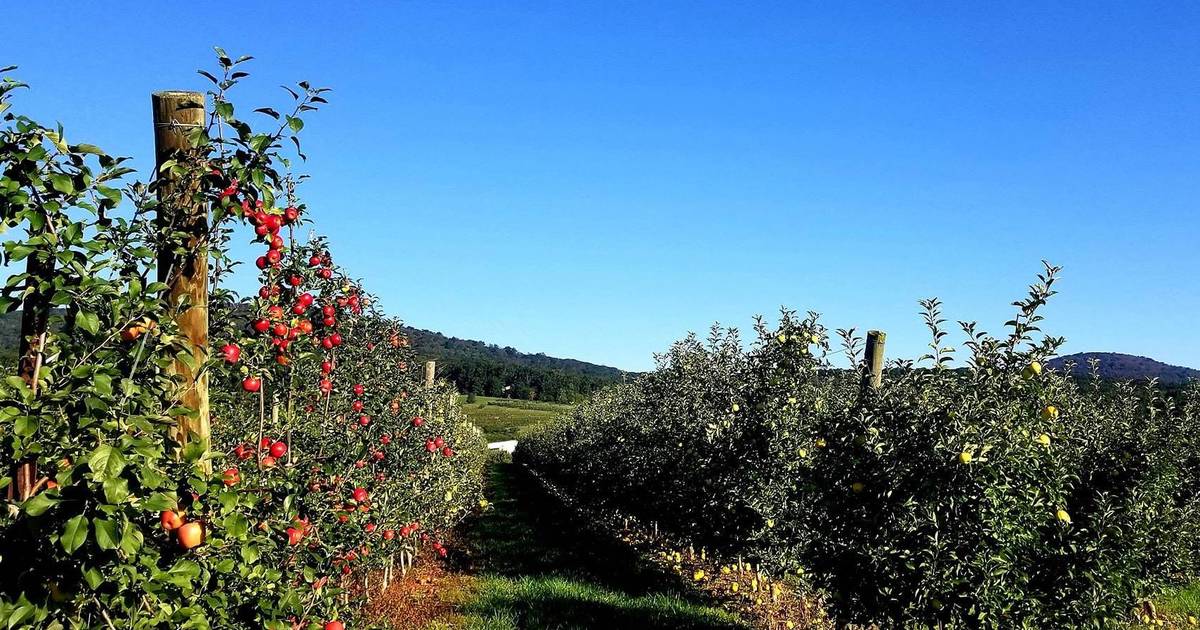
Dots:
{"x": 993, "y": 494}
{"x": 308, "y": 484}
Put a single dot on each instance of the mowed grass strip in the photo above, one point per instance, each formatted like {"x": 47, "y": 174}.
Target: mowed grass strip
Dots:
{"x": 536, "y": 566}
{"x": 507, "y": 419}
{"x": 504, "y": 603}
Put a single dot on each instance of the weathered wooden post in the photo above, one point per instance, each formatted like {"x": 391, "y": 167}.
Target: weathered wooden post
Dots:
{"x": 35, "y": 321}
{"x": 430, "y": 368}
{"x": 184, "y": 266}
{"x": 873, "y": 375}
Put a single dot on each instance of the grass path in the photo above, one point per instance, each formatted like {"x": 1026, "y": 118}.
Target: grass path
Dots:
{"x": 532, "y": 565}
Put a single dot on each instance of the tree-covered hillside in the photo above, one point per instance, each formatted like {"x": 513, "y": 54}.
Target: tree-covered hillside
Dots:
{"x": 486, "y": 369}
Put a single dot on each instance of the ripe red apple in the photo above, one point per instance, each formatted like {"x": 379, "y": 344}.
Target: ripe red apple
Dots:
{"x": 336, "y": 338}
{"x": 170, "y": 520}
{"x": 335, "y": 625}
{"x": 294, "y": 535}
{"x": 417, "y": 421}
{"x": 359, "y": 389}
{"x": 439, "y": 442}
{"x": 273, "y": 256}
{"x": 385, "y": 439}
{"x": 389, "y": 534}
{"x": 325, "y": 273}
{"x": 314, "y": 261}
{"x": 269, "y": 462}
{"x": 190, "y": 535}
{"x": 231, "y": 476}
{"x": 295, "y": 280}
{"x": 326, "y": 367}
{"x": 360, "y": 494}
{"x": 357, "y": 405}
{"x": 305, "y": 298}
{"x": 429, "y": 446}
{"x": 448, "y": 452}
{"x": 262, "y": 325}
{"x": 242, "y": 451}
{"x": 326, "y": 385}
{"x": 364, "y": 421}
{"x": 252, "y": 384}
{"x": 279, "y": 449}
{"x": 231, "y": 352}
{"x": 273, "y": 222}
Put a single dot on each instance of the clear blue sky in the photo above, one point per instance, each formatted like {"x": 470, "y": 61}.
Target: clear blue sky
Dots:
{"x": 594, "y": 180}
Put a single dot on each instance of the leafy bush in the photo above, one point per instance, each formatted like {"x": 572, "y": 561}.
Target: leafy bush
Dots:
{"x": 995, "y": 495}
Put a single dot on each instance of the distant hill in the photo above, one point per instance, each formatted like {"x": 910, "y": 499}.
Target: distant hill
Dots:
{"x": 10, "y": 337}
{"x": 476, "y": 367}
{"x": 1117, "y": 366}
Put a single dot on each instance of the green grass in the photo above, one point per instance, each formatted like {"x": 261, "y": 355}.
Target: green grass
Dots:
{"x": 559, "y": 602}
{"x": 1180, "y": 602}
{"x": 507, "y": 419}
{"x": 540, "y": 567}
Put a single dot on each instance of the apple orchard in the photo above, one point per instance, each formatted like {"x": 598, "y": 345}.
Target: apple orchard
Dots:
{"x": 249, "y": 477}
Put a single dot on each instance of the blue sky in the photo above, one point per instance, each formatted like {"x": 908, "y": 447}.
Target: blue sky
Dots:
{"x": 593, "y": 180}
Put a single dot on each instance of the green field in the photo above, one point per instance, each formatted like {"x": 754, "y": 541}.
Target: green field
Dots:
{"x": 508, "y": 419}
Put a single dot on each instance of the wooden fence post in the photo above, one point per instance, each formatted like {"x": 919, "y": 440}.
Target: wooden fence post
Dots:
{"x": 873, "y": 376}
{"x": 176, "y": 116}
{"x": 430, "y": 369}
{"x": 35, "y": 321}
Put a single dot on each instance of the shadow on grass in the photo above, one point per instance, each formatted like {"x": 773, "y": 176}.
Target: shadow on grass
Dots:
{"x": 558, "y": 602}
{"x": 540, "y": 567}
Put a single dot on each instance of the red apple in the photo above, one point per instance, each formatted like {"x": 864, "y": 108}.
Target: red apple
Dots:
{"x": 170, "y": 520}
{"x": 231, "y": 476}
{"x": 190, "y": 535}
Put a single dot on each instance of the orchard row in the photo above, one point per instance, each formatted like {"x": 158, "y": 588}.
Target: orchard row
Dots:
{"x": 318, "y": 457}
{"x": 995, "y": 495}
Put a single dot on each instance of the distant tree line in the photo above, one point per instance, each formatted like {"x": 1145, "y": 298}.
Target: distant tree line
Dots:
{"x": 484, "y": 369}
{"x": 484, "y": 377}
